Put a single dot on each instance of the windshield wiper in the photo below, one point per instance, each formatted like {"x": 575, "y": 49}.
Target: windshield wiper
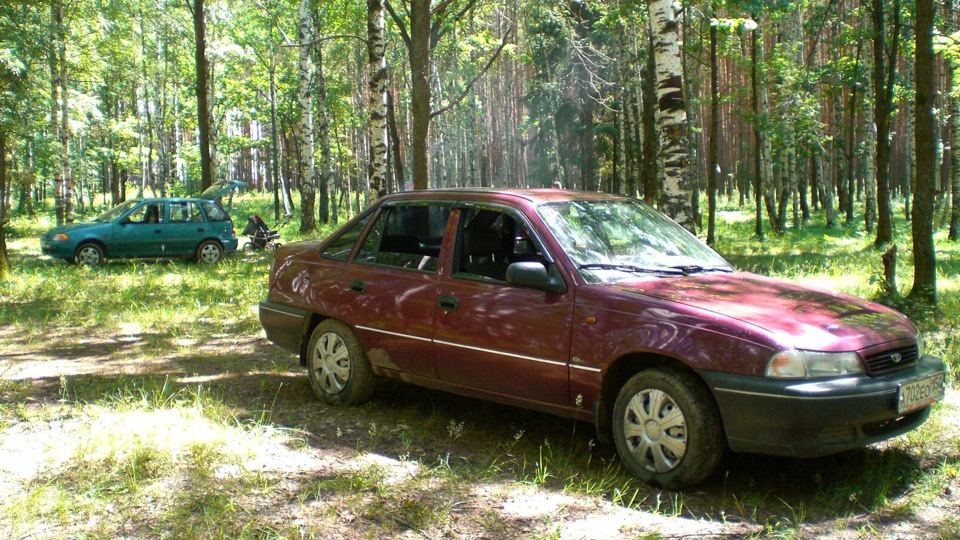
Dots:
{"x": 676, "y": 270}
{"x": 688, "y": 269}
{"x": 633, "y": 268}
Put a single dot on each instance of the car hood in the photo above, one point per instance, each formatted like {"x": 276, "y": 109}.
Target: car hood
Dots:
{"x": 71, "y": 227}
{"x": 804, "y": 317}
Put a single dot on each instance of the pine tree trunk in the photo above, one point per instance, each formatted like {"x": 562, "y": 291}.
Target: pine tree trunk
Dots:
{"x": 674, "y": 151}
{"x": 4, "y": 261}
{"x": 204, "y": 111}
{"x": 954, "y": 167}
{"x": 713, "y": 147}
{"x": 883, "y": 71}
{"x": 322, "y": 126}
{"x": 924, "y": 258}
{"x": 420, "y": 91}
{"x": 758, "y": 181}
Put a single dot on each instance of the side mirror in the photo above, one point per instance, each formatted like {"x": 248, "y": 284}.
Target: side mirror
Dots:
{"x": 536, "y": 276}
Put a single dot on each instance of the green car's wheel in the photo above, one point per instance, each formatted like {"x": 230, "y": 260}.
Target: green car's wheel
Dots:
{"x": 89, "y": 254}
{"x": 209, "y": 252}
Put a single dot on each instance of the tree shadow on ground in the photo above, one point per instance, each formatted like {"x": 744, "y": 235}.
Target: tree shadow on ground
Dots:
{"x": 470, "y": 437}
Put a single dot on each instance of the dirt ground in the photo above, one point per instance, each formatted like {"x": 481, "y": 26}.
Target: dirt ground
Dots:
{"x": 751, "y": 497}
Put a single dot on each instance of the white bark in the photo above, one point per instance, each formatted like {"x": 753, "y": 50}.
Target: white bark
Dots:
{"x": 672, "y": 117}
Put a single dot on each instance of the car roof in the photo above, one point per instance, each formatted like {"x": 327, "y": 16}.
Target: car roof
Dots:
{"x": 530, "y": 195}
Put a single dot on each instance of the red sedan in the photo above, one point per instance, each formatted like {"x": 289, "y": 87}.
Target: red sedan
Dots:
{"x": 596, "y": 307}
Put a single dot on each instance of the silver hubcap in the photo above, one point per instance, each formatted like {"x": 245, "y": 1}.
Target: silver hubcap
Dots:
{"x": 331, "y": 363}
{"x": 89, "y": 255}
{"x": 210, "y": 253}
{"x": 655, "y": 430}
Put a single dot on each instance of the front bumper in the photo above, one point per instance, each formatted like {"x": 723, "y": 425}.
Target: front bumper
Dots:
{"x": 810, "y": 418}
{"x": 59, "y": 250}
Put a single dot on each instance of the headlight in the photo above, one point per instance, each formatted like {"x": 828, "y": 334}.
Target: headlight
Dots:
{"x": 59, "y": 238}
{"x": 796, "y": 364}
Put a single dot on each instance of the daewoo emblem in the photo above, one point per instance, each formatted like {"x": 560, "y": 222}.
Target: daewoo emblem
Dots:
{"x": 896, "y": 357}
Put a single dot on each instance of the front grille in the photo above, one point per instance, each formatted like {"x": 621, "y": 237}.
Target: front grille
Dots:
{"x": 892, "y": 360}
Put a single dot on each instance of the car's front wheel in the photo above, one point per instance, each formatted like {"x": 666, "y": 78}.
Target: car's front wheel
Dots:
{"x": 667, "y": 429}
{"x": 209, "y": 252}
{"x": 89, "y": 254}
{"x": 337, "y": 365}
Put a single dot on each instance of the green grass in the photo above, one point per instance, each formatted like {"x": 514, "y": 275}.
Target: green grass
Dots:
{"x": 185, "y": 421}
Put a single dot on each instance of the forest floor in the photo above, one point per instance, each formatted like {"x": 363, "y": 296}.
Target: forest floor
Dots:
{"x": 407, "y": 438}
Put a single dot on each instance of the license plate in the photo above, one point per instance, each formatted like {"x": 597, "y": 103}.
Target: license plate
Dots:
{"x": 918, "y": 394}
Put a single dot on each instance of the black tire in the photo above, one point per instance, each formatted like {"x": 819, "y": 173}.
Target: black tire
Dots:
{"x": 337, "y": 365}
{"x": 667, "y": 428}
{"x": 89, "y": 254}
{"x": 209, "y": 252}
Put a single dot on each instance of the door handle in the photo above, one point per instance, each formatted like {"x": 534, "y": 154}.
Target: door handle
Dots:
{"x": 358, "y": 286}
{"x": 449, "y": 302}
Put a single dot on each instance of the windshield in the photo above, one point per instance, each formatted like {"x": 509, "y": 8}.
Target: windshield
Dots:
{"x": 116, "y": 211}
{"x": 619, "y": 239}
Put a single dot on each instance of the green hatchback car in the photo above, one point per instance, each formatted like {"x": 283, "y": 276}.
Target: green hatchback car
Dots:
{"x": 158, "y": 227}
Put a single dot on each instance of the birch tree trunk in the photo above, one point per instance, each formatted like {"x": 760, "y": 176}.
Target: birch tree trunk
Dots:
{"x": 376, "y": 104}
{"x": 308, "y": 167}
{"x": 674, "y": 144}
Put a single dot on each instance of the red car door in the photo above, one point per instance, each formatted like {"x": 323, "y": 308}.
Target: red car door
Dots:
{"x": 493, "y": 337}
{"x": 391, "y": 287}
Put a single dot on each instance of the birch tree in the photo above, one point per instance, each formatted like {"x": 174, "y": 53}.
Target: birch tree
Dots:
{"x": 376, "y": 100}
{"x": 308, "y": 160}
{"x": 672, "y": 120}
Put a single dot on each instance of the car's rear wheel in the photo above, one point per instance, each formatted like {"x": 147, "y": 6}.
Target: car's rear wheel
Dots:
{"x": 337, "y": 365}
{"x": 667, "y": 428}
{"x": 209, "y": 252}
{"x": 89, "y": 254}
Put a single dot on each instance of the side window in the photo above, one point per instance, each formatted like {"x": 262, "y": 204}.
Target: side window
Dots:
{"x": 490, "y": 240}
{"x": 147, "y": 214}
{"x": 340, "y": 248}
{"x": 406, "y": 237}
{"x": 214, "y": 212}
{"x": 184, "y": 212}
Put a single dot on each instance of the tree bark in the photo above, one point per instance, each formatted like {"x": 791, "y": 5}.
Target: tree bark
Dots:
{"x": 883, "y": 75}
{"x": 674, "y": 151}
{"x": 204, "y": 110}
{"x": 308, "y": 167}
{"x": 924, "y": 258}
{"x": 419, "y": 48}
{"x": 713, "y": 145}
{"x": 376, "y": 103}
{"x": 4, "y": 260}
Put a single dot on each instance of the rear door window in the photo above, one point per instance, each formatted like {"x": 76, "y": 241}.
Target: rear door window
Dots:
{"x": 406, "y": 236}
